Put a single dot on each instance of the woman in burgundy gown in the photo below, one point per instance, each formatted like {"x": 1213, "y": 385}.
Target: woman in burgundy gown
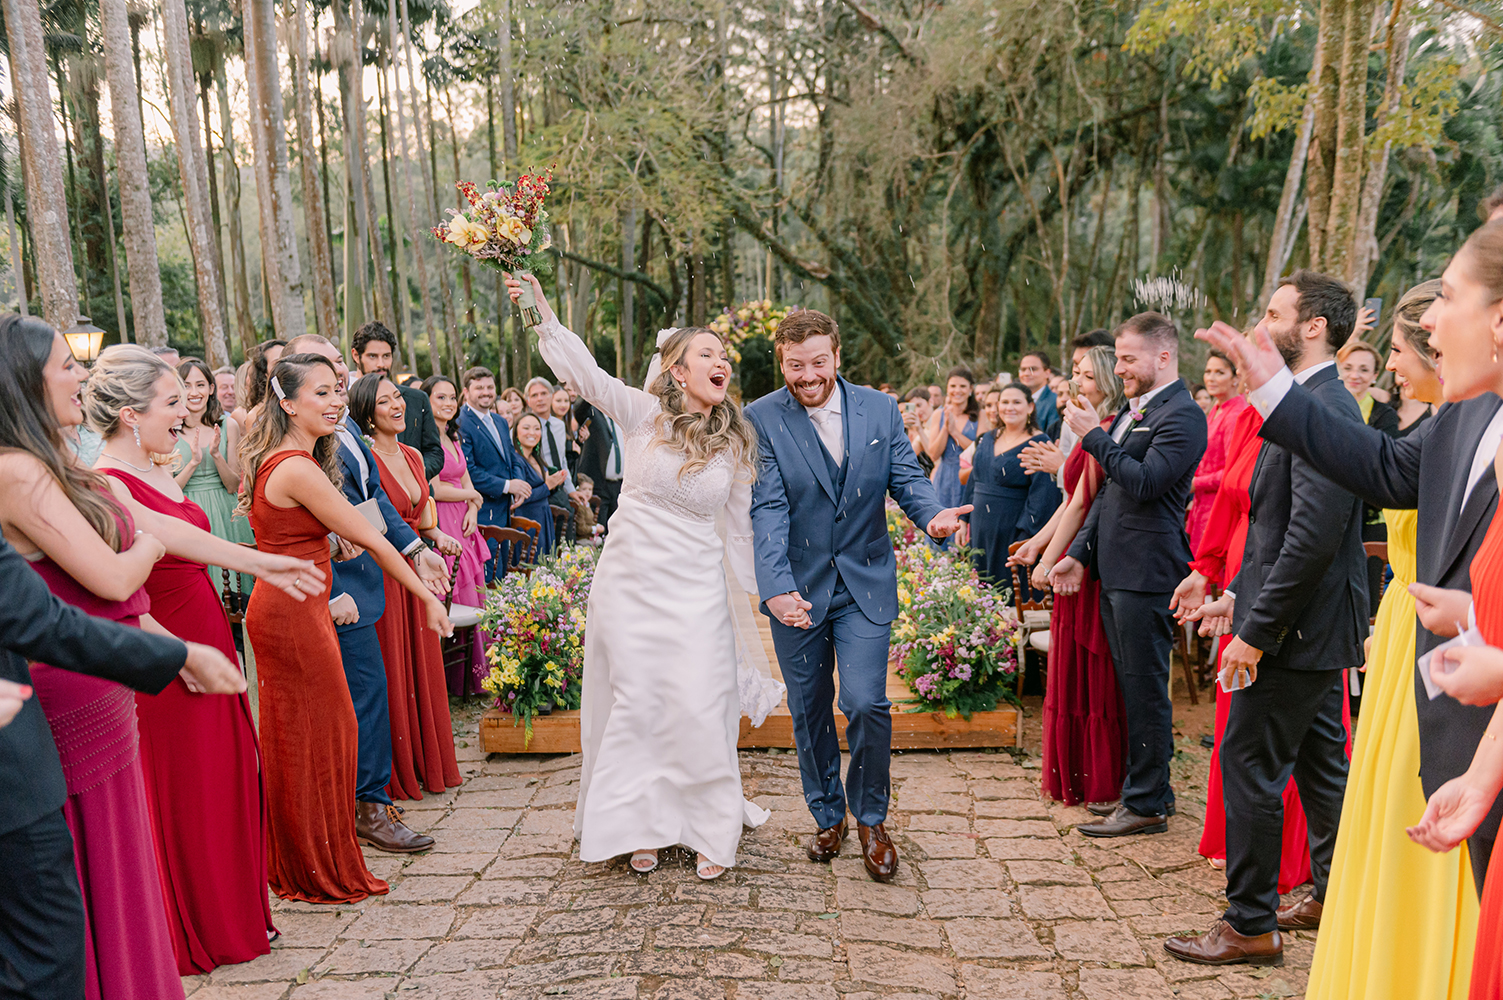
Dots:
{"x": 87, "y": 546}
{"x": 422, "y": 734}
{"x": 458, "y": 517}
{"x": 1084, "y": 719}
{"x": 199, "y": 755}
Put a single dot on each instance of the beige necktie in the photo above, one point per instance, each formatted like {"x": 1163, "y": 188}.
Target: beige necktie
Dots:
{"x": 827, "y": 423}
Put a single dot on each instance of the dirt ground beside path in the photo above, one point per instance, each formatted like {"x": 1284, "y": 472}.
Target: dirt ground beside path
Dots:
{"x": 997, "y": 898}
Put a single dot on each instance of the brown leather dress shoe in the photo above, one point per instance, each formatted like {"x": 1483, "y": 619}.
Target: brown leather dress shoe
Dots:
{"x": 826, "y": 843}
{"x": 878, "y": 852}
{"x": 1222, "y": 945}
{"x": 1301, "y": 916}
{"x": 1124, "y": 823}
{"x": 378, "y": 826}
{"x": 1107, "y": 808}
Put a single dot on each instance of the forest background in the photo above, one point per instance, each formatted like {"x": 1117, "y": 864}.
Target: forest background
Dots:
{"x": 956, "y": 182}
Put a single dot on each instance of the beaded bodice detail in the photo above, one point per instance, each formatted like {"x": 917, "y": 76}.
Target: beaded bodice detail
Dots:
{"x": 650, "y": 475}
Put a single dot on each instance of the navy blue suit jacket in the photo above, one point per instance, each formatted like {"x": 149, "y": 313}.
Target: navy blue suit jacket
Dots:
{"x": 490, "y": 467}
{"x": 804, "y": 532}
{"x": 361, "y": 577}
{"x": 1134, "y": 537}
{"x": 1046, "y": 413}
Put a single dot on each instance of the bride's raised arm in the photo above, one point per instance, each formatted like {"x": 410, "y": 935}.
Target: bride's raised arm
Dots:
{"x": 573, "y": 363}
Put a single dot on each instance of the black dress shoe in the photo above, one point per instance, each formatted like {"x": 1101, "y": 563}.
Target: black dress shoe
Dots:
{"x": 1124, "y": 823}
{"x": 1107, "y": 808}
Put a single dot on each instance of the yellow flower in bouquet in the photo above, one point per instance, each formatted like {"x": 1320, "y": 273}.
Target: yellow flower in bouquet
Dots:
{"x": 463, "y": 233}
{"x": 509, "y": 227}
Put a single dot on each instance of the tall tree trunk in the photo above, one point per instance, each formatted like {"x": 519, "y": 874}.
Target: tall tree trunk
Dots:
{"x": 1325, "y": 89}
{"x": 324, "y": 309}
{"x": 404, "y": 172}
{"x": 75, "y": 206}
{"x": 245, "y": 324}
{"x": 279, "y": 258}
{"x": 195, "y": 177}
{"x": 130, "y": 169}
{"x": 1397, "y": 49}
{"x": 1351, "y": 125}
{"x": 422, "y": 123}
{"x": 401, "y": 291}
{"x": 464, "y": 264}
{"x": 323, "y": 162}
{"x": 357, "y": 305}
{"x": 216, "y": 213}
{"x": 521, "y": 351}
{"x": 385, "y": 310}
{"x": 96, "y": 164}
{"x": 1284, "y": 230}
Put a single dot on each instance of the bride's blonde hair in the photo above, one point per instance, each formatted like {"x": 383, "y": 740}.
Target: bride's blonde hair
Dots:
{"x": 700, "y": 437}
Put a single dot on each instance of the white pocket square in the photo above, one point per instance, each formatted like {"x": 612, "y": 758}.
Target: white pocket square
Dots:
{"x": 1139, "y": 430}
{"x": 874, "y": 441}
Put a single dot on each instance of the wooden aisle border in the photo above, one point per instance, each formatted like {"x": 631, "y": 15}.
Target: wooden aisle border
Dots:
{"x": 559, "y": 732}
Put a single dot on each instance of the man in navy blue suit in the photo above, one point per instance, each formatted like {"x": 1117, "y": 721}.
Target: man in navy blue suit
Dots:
{"x": 357, "y": 602}
{"x": 486, "y": 441}
{"x": 1033, "y": 371}
{"x": 831, "y": 452}
{"x": 1134, "y": 540}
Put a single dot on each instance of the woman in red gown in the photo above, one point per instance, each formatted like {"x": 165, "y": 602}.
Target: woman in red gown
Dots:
{"x": 1084, "y": 719}
{"x": 308, "y": 730}
{"x": 1221, "y": 383}
{"x": 1217, "y": 560}
{"x": 199, "y": 755}
{"x": 422, "y": 734}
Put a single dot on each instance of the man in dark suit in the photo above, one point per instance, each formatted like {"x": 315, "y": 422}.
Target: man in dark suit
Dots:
{"x": 1445, "y": 469}
{"x": 486, "y": 441}
{"x": 1299, "y": 613}
{"x": 1034, "y": 371}
{"x": 1134, "y": 540}
{"x": 373, "y": 349}
{"x": 357, "y": 600}
{"x": 41, "y": 908}
{"x": 600, "y": 455}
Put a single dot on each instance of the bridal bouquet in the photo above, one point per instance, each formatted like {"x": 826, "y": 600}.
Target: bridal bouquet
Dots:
{"x": 955, "y": 639}
{"x": 538, "y": 623}
{"x": 505, "y": 227}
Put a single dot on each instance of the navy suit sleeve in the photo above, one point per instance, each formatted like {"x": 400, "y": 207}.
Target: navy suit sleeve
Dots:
{"x": 1383, "y": 470}
{"x": 1318, "y": 518}
{"x": 38, "y": 626}
{"x": 906, "y": 482}
{"x": 1178, "y": 443}
{"x": 1082, "y": 548}
{"x": 769, "y": 516}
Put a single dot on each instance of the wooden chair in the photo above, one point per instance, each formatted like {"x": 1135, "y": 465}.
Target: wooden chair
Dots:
{"x": 518, "y": 546}
{"x": 562, "y": 518}
{"x": 1034, "y": 616}
{"x": 230, "y": 597}
{"x": 459, "y": 647}
{"x": 534, "y": 532}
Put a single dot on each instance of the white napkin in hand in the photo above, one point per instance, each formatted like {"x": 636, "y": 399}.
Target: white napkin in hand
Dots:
{"x": 1471, "y": 637}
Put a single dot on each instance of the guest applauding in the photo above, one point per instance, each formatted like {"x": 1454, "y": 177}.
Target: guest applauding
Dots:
{"x": 527, "y": 437}
{"x": 208, "y": 473}
{"x": 1398, "y": 921}
{"x": 951, "y": 431}
{"x": 1010, "y": 502}
{"x": 459, "y": 517}
{"x": 199, "y": 755}
{"x": 309, "y": 734}
{"x": 916, "y": 414}
{"x": 1084, "y": 724}
{"x": 1228, "y": 403}
{"x": 422, "y": 734}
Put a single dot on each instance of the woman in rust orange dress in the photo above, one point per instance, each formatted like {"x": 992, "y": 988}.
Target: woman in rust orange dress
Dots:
{"x": 422, "y": 735}
{"x": 308, "y": 730}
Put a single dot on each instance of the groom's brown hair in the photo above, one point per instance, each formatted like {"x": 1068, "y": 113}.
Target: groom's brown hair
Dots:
{"x": 801, "y": 324}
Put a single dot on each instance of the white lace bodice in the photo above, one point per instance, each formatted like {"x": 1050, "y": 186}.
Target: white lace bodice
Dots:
{"x": 649, "y": 470}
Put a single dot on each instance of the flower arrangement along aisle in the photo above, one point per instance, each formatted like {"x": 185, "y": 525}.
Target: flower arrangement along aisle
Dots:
{"x": 505, "y": 227}
{"x": 537, "y": 624}
{"x": 755, "y": 318}
{"x": 955, "y": 638}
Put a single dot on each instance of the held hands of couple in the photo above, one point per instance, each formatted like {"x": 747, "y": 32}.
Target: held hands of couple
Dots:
{"x": 791, "y": 609}
{"x": 206, "y": 671}
{"x": 1067, "y": 576}
{"x": 1188, "y": 596}
{"x": 948, "y": 521}
{"x": 1215, "y": 617}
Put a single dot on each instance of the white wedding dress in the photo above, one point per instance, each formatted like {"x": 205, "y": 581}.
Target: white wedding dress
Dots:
{"x": 661, "y": 704}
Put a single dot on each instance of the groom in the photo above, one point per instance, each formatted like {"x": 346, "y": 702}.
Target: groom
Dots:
{"x": 831, "y": 452}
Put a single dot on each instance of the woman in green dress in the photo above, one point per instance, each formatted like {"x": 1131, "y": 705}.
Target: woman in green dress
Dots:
{"x": 209, "y": 473}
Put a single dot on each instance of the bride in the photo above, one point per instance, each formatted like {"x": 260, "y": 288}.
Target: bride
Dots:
{"x": 660, "y": 713}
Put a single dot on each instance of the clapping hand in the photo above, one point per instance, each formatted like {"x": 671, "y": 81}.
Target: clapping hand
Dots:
{"x": 1258, "y": 360}
{"x": 1453, "y": 814}
{"x": 1042, "y": 456}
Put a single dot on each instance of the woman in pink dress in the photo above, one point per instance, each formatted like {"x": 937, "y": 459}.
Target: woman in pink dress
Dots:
{"x": 458, "y": 513}
{"x": 86, "y": 544}
{"x": 1221, "y": 383}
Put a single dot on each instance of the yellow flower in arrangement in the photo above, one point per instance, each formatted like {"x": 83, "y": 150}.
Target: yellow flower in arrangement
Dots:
{"x": 514, "y": 229}
{"x": 463, "y": 233}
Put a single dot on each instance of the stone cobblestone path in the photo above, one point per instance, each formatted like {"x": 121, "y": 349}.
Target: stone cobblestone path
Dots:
{"x": 997, "y": 898}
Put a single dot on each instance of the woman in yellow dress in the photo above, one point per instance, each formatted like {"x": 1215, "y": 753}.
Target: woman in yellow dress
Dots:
{"x": 1399, "y": 922}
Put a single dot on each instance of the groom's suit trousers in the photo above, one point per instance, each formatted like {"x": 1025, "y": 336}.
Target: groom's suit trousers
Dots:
{"x": 852, "y": 643}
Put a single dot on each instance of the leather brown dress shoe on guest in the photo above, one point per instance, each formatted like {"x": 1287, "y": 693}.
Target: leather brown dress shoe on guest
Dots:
{"x": 826, "y": 843}
{"x": 878, "y": 852}
{"x": 1107, "y": 808}
{"x": 378, "y": 826}
{"x": 1301, "y": 916}
{"x": 1124, "y": 823}
{"x": 1222, "y": 945}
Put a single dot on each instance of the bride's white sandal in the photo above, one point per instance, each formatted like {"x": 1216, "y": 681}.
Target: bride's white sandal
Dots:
{"x": 706, "y": 869}
{"x": 643, "y": 862}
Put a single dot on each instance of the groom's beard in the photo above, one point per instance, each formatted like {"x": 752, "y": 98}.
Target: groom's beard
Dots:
{"x": 825, "y": 388}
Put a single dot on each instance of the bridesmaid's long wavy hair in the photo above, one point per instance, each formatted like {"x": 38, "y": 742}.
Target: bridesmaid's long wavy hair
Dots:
{"x": 28, "y": 424}
{"x": 270, "y": 429}
{"x": 700, "y": 437}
